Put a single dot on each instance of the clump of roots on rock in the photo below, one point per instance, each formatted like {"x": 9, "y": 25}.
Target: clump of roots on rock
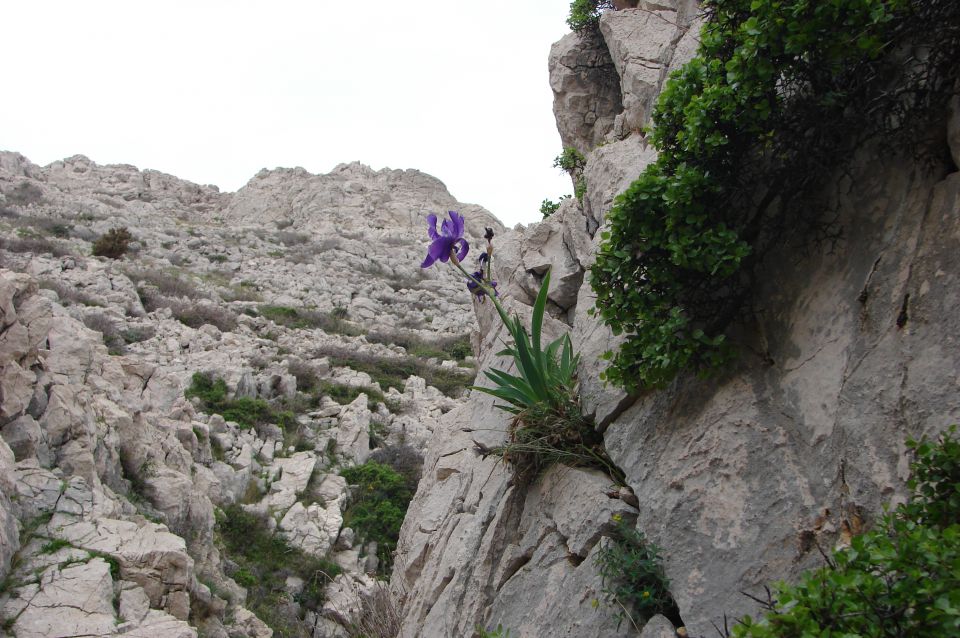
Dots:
{"x": 541, "y": 436}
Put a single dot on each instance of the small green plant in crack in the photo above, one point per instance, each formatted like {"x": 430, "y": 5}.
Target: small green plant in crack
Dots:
{"x": 498, "y": 632}
{"x": 633, "y": 576}
{"x": 111, "y": 561}
{"x": 547, "y": 425}
{"x": 54, "y": 545}
{"x": 378, "y": 432}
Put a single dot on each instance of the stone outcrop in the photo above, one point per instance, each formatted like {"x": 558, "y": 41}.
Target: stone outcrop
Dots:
{"x": 738, "y": 479}
{"x": 111, "y": 481}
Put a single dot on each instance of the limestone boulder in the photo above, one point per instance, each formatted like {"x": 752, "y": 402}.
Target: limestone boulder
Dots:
{"x": 353, "y": 433}
{"x": 640, "y": 62}
{"x": 312, "y": 528}
{"x": 75, "y": 600}
{"x": 586, "y": 91}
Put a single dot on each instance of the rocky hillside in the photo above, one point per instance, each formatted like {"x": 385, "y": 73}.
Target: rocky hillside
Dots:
{"x": 176, "y": 423}
{"x": 737, "y": 479}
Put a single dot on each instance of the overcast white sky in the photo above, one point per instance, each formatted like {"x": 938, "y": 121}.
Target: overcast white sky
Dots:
{"x": 213, "y": 91}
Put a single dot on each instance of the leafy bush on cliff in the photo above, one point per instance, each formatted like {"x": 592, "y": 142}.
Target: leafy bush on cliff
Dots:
{"x": 748, "y": 133}
{"x": 584, "y": 14}
{"x": 900, "y": 579}
{"x": 573, "y": 163}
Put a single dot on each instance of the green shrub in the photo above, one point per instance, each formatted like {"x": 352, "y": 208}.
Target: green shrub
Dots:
{"x": 573, "y": 162}
{"x": 549, "y": 207}
{"x": 584, "y": 14}
{"x": 633, "y": 577}
{"x": 570, "y": 160}
{"x": 264, "y": 562}
{"x": 899, "y": 579}
{"x": 404, "y": 459}
{"x": 113, "y": 243}
{"x": 748, "y": 132}
{"x": 244, "y": 411}
{"x": 377, "y": 507}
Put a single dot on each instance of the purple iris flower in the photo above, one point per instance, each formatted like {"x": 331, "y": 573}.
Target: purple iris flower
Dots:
{"x": 475, "y": 288}
{"x": 447, "y": 240}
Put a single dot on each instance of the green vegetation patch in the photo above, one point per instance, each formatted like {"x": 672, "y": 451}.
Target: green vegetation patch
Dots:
{"x": 394, "y": 371}
{"x": 749, "y": 132}
{"x": 244, "y": 411}
{"x": 900, "y": 579}
{"x": 377, "y": 507}
{"x": 264, "y": 562}
{"x": 455, "y": 348}
{"x": 633, "y": 577}
{"x": 332, "y": 322}
{"x": 584, "y": 14}
{"x": 113, "y": 243}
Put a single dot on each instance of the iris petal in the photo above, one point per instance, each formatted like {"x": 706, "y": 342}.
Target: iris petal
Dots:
{"x": 464, "y": 249}
{"x": 439, "y": 249}
{"x": 457, "y": 223}
{"x": 432, "y": 226}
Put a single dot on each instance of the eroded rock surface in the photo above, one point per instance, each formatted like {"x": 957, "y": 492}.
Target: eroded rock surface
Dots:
{"x": 737, "y": 479}
{"x": 112, "y": 481}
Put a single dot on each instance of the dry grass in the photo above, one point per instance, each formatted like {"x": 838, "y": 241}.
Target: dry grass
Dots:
{"x": 379, "y": 615}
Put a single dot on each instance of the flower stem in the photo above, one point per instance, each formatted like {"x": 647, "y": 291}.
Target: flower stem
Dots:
{"x": 489, "y": 291}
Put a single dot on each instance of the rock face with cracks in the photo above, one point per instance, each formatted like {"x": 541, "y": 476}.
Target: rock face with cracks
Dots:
{"x": 298, "y": 290}
{"x": 738, "y": 479}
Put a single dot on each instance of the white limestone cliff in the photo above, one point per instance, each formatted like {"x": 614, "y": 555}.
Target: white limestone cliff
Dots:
{"x": 738, "y": 478}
